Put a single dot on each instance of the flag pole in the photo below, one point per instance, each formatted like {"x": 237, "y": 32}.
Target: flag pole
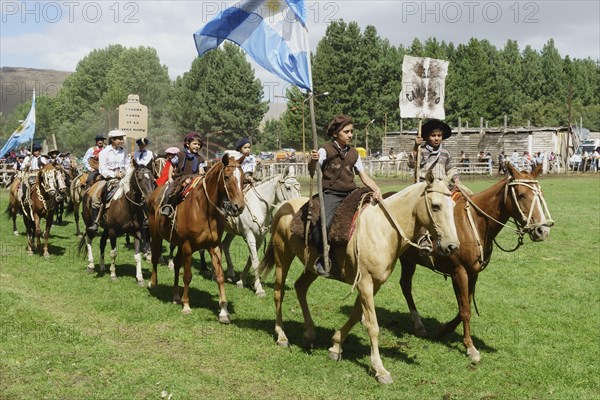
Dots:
{"x": 418, "y": 157}
{"x": 313, "y": 122}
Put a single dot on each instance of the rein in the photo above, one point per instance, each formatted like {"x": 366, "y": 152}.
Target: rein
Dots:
{"x": 221, "y": 177}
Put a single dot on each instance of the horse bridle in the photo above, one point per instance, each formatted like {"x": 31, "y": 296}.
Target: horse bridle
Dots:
{"x": 137, "y": 181}
{"x": 525, "y": 224}
{"x": 220, "y": 177}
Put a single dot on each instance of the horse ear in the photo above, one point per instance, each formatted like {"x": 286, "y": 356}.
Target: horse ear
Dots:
{"x": 429, "y": 177}
{"x": 225, "y": 159}
{"x": 537, "y": 171}
{"x": 512, "y": 170}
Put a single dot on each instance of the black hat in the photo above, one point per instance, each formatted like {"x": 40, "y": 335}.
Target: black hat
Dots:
{"x": 434, "y": 124}
{"x": 240, "y": 143}
{"x": 99, "y": 137}
{"x": 36, "y": 147}
{"x": 338, "y": 123}
{"x": 142, "y": 141}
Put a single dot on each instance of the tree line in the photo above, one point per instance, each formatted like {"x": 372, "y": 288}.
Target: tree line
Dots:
{"x": 362, "y": 72}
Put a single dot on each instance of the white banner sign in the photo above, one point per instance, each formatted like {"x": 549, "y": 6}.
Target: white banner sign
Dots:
{"x": 423, "y": 87}
{"x": 133, "y": 117}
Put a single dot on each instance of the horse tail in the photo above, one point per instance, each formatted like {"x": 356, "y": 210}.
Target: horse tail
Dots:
{"x": 8, "y": 213}
{"x": 268, "y": 262}
{"x": 81, "y": 245}
{"x": 69, "y": 208}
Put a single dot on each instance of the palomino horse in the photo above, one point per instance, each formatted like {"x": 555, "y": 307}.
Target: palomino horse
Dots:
{"x": 383, "y": 232}
{"x": 125, "y": 214}
{"x": 261, "y": 200}
{"x": 479, "y": 218}
{"x": 44, "y": 196}
{"x": 198, "y": 223}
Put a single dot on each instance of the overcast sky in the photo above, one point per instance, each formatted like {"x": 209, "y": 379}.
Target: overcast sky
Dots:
{"x": 57, "y": 34}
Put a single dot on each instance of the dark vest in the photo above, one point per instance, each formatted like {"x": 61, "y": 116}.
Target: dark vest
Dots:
{"x": 185, "y": 166}
{"x": 338, "y": 169}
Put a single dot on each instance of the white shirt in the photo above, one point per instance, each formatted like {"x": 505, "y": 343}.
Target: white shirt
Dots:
{"x": 249, "y": 164}
{"x": 143, "y": 159}
{"x": 111, "y": 160}
{"x": 34, "y": 163}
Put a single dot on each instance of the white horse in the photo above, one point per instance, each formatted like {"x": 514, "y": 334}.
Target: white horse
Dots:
{"x": 383, "y": 232}
{"x": 254, "y": 222}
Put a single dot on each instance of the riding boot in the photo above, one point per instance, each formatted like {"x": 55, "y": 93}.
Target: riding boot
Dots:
{"x": 92, "y": 229}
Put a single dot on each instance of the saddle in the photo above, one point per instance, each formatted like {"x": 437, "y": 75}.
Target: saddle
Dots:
{"x": 343, "y": 221}
{"x": 179, "y": 189}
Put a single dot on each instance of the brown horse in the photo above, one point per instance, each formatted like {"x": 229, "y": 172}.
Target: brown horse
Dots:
{"x": 126, "y": 214}
{"x": 383, "y": 232}
{"x": 479, "y": 218}
{"x": 78, "y": 186}
{"x": 44, "y": 196}
{"x": 199, "y": 223}
{"x": 14, "y": 201}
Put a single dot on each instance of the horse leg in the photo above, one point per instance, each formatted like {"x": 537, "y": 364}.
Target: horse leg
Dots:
{"x": 368, "y": 289}
{"x": 335, "y": 351}
{"x": 176, "y": 267}
{"x": 103, "y": 240}
{"x": 47, "y": 235}
{"x": 137, "y": 255}
{"x": 38, "y": 233}
{"x": 253, "y": 261}
{"x": 283, "y": 260}
{"x": 76, "y": 215}
{"x": 90, "y": 253}
{"x": 113, "y": 257}
{"x": 186, "y": 250}
{"x": 171, "y": 265}
{"x": 216, "y": 256}
{"x": 408, "y": 270}
{"x": 30, "y": 229}
{"x": 230, "y": 274}
{"x": 13, "y": 213}
{"x": 301, "y": 285}
{"x": 156, "y": 247}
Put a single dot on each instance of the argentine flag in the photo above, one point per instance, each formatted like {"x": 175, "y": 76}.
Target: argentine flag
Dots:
{"x": 24, "y": 133}
{"x": 272, "y": 32}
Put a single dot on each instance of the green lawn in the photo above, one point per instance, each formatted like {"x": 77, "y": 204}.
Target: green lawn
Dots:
{"x": 65, "y": 334}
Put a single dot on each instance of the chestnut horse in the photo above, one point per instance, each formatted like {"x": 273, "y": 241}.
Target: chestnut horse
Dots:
{"x": 78, "y": 186}
{"x": 44, "y": 196}
{"x": 124, "y": 215}
{"x": 479, "y": 218}
{"x": 14, "y": 201}
{"x": 198, "y": 223}
{"x": 383, "y": 232}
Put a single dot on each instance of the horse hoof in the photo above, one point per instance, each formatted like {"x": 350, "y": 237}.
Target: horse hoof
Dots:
{"x": 141, "y": 283}
{"x": 284, "y": 343}
{"x": 113, "y": 278}
{"x": 421, "y": 332}
{"x": 239, "y": 283}
{"x": 335, "y": 356}
{"x": 15, "y": 233}
{"x": 261, "y": 294}
{"x": 474, "y": 355}
{"x": 186, "y": 311}
{"x": 385, "y": 379}
{"x": 224, "y": 319}
{"x": 46, "y": 255}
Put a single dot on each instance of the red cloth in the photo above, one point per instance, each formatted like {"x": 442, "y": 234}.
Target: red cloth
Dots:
{"x": 164, "y": 175}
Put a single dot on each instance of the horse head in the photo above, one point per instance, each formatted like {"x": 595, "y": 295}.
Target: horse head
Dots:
{"x": 437, "y": 213}
{"x": 525, "y": 202}
{"x": 48, "y": 181}
{"x": 61, "y": 182}
{"x": 229, "y": 185}
{"x": 142, "y": 182}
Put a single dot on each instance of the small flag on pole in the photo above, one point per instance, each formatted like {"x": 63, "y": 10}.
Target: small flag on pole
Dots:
{"x": 24, "y": 133}
{"x": 423, "y": 82}
{"x": 272, "y": 32}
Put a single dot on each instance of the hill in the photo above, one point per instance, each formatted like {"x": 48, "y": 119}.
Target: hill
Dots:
{"x": 18, "y": 83}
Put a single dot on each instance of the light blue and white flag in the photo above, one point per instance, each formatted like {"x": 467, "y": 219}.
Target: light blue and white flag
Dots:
{"x": 24, "y": 132}
{"x": 272, "y": 32}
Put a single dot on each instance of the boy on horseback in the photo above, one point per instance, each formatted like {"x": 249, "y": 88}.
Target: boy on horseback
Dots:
{"x": 112, "y": 162}
{"x": 339, "y": 163}
{"x": 435, "y": 157}
{"x": 249, "y": 163}
{"x": 189, "y": 162}
{"x": 90, "y": 159}
{"x": 142, "y": 155}
{"x": 31, "y": 165}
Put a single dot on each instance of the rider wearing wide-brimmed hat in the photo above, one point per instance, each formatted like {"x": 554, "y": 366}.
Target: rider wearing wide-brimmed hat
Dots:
{"x": 432, "y": 153}
{"x": 112, "y": 163}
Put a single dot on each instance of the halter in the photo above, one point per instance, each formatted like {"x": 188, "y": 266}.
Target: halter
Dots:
{"x": 525, "y": 224}
{"x": 137, "y": 181}
{"x": 220, "y": 177}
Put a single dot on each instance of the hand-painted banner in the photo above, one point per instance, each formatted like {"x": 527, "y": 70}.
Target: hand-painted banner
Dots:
{"x": 423, "y": 87}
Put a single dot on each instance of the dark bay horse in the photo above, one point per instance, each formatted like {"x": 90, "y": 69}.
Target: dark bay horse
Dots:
{"x": 198, "y": 223}
{"x": 14, "y": 202}
{"x": 77, "y": 188}
{"x": 44, "y": 196}
{"x": 479, "y": 219}
{"x": 126, "y": 214}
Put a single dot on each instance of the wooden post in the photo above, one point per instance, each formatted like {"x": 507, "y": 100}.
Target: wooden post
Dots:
{"x": 418, "y": 157}
{"x": 319, "y": 173}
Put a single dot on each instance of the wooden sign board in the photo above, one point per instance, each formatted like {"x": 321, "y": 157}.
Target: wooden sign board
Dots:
{"x": 133, "y": 117}
{"x": 423, "y": 87}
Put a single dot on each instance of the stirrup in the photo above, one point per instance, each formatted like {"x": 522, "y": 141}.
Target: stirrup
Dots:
{"x": 320, "y": 267}
{"x": 167, "y": 210}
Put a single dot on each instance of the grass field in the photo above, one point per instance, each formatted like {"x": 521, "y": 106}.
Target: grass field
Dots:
{"x": 65, "y": 334}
